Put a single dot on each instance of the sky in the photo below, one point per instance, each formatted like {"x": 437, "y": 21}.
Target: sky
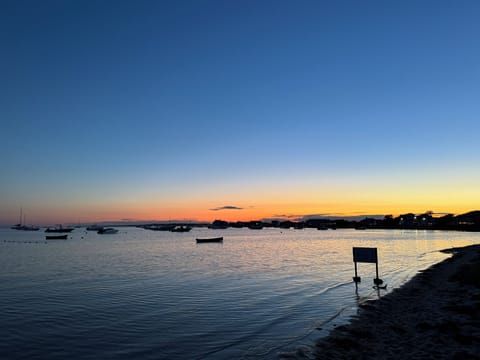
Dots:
{"x": 237, "y": 110}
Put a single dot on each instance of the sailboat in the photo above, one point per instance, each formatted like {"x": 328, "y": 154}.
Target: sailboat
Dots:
{"x": 23, "y": 226}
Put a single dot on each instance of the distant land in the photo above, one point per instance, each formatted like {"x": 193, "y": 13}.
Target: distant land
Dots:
{"x": 429, "y": 220}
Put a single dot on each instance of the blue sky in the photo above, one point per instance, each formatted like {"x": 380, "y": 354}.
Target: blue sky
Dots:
{"x": 220, "y": 102}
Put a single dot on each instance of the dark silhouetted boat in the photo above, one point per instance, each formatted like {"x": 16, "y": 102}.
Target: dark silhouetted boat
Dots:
{"x": 107, "y": 231}
{"x": 56, "y": 237}
{"x": 210, "y": 240}
{"x": 59, "y": 229}
{"x": 156, "y": 227}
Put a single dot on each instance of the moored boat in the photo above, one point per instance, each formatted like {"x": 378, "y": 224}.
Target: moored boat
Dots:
{"x": 22, "y": 224}
{"x": 59, "y": 229}
{"x": 25, "y": 227}
{"x": 210, "y": 240}
{"x": 156, "y": 227}
{"x": 181, "y": 228}
{"x": 56, "y": 237}
{"x": 107, "y": 231}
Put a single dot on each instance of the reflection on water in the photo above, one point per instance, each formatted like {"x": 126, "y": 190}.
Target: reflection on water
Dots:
{"x": 159, "y": 295}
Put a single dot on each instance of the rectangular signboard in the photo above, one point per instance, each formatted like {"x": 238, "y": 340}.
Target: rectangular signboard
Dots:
{"x": 364, "y": 254}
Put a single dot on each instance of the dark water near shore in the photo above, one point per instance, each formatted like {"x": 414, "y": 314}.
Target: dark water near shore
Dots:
{"x": 262, "y": 294}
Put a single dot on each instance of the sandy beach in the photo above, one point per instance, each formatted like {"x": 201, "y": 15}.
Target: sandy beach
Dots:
{"x": 436, "y": 315}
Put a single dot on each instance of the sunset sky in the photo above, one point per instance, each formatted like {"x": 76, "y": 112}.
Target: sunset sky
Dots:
{"x": 237, "y": 110}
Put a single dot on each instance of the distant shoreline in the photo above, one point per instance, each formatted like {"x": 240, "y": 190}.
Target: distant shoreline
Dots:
{"x": 427, "y": 221}
{"x": 435, "y": 315}
{"x": 469, "y": 221}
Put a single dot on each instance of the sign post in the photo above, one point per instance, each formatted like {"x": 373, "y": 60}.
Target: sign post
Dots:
{"x": 366, "y": 255}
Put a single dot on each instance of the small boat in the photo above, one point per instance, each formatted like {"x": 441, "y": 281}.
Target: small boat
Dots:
{"x": 210, "y": 240}
{"x": 107, "y": 231}
{"x": 181, "y": 229}
{"x": 159, "y": 227}
{"x": 59, "y": 229}
{"x": 56, "y": 237}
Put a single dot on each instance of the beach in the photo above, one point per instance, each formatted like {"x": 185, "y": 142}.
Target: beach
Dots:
{"x": 436, "y": 315}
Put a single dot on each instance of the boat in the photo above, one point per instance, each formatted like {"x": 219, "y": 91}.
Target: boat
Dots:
{"x": 181, "y": 228}
{"x": 210, "y": 240}
{"x": 156, "y": 227}
{"x": 59, "y": 229}
{"x": 22, "y": 224}
{"x": 24, "y": 227}
{"x": 56, "y": 237}
{"x": 107, "y": 231}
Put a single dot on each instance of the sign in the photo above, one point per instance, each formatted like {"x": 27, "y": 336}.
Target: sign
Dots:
{"x": 365, "y": 255}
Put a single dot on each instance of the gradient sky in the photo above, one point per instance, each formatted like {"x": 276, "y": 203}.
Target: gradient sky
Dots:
{"x": 175, "y": 109}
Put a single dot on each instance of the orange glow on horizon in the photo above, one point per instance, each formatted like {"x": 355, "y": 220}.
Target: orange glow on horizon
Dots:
{"x": 256, "y": 207}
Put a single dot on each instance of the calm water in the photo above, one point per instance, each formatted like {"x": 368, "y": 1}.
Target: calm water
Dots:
{"x": 262, "y": 294}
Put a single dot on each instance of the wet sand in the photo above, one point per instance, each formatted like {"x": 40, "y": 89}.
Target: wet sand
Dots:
{"x": 436, "y": 315}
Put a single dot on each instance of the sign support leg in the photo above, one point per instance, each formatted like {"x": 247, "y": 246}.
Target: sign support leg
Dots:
{"x": 356, "y": 278}
{"x": 377, "y": 281}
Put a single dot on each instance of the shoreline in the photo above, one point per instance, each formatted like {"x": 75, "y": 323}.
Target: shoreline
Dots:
{"x": 435, "y": 315}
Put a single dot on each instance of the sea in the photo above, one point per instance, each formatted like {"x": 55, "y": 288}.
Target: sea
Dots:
{"x": 142, "y": 294}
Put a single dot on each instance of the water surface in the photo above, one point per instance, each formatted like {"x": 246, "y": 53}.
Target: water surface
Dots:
{"x": 262, "y": 294}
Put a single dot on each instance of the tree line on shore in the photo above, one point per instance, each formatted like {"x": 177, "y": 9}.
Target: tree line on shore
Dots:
{"x": 427, "y": 221}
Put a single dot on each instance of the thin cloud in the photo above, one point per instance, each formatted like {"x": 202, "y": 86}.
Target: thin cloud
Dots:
{"x": 227, "y": 207}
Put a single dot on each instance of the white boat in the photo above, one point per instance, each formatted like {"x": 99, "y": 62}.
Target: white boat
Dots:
{"x": 181, "y": 228}
{"x": 59, "y": 229}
